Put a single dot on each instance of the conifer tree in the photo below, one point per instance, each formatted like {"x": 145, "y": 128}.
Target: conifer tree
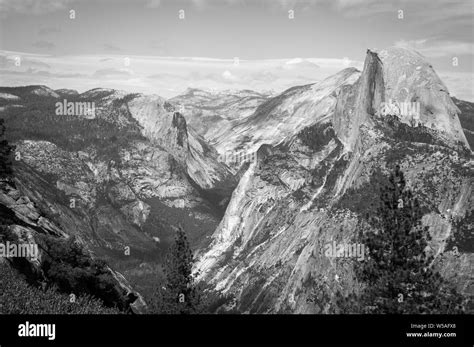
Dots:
{"x": 5, "y": 153}
{"x": 180, "y": 294}
{"x": 398, "y": 276}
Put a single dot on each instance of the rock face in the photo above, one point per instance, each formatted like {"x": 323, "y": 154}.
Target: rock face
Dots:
{"x": 262, "y": 120}
{"x": 66, "y": 92}
{"x": 466, "y": 118}
{"x": 412, "y": 79}
{"x": 212, "y": 114}
{"x": 44, "y": 91}
{"x": 168, "y": 129}
{"x": 121, "y": 179}
{"x": 313, "y": 181}
{"x": 26, "y": 223}
{"x": 273, "y": 178}
{"x": 404, "y": 78}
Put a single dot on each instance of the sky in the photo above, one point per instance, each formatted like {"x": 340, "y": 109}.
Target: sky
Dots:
{"x": 166, "y": 46}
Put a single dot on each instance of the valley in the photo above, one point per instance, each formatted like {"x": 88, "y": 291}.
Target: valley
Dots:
{"x": 304, "y": 170}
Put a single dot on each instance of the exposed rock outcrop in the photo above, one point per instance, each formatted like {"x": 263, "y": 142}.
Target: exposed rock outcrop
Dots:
{"x": 25, "y": 223}
{"x": 315, "y": 184}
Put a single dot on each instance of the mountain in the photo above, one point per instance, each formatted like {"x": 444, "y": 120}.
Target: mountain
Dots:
{"x": 214, "y": 114}
{"x": 66, "y": 92}
{"x": 317, "y": 172}
{"x": 268, "y": 120}
{"x": 27, "y": 223}
{"x": 466, "y": 117}
{"x": 119, "y": 178}
{"x": 261, "y": 182}
{"x": 300, "y": 63}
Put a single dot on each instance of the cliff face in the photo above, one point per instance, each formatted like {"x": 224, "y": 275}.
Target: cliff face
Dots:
{"x": 119, "y": 180}
{"x": 356, "y": 103}
{"x": 26, "y": 223}
{"x": 403, "y": 79}
{"x": 163, "y": 125}
{"x": 410, "y": 78}
{"x": 312, "y": 185}
{"x": 466, "y": 117}
{"x": 307, "y": 164}
{"x": 213, "y": 114}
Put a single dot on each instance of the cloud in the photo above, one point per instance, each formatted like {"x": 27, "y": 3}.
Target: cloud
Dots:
{"x": 264, "y": 76}
{"x": 4, "y": 61}
{"x": 432, "y": 48}
{"x": 345, "y": 4}
{"x": 200, "y": 4}
{"x": 364, "y": 8}
{"x": 34, "y": 7}
{"x": 427, "y": 11}
{"x": 111, "y": 48}
{"x": 111, "y": 72}
{"x": 164, "y": 76}
{"x": 58, "y": 74}
{"x": 153, "y": 4}
{"x": 167, "y": 76}
{"x": 228, "y": 76}
{"x": 48, "y": 30}
{"x": 298, "y": 63}
{"x": 9, "y": 62}
{"x": 43, "y": 73}
{"x": 336, "y": 63}
{"x": 44, "y": 44}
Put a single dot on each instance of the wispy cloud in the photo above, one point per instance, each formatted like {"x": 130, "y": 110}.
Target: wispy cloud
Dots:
{"x": 169, "y": 76}
{"x": 433, "y": 48}
{"x": 48, "y": 30}
{"x": 32, "y": 72}
{"x": 153, "y": 3}
{"x": 427, "y": 11}
{"x": 9, "y": 62}
{"x": 31, "y": 6}
{"x": 111, "y": 72}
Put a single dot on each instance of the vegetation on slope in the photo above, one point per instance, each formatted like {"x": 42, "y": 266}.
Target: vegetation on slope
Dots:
{"x": 179, "y": 293}
{"x": 397, "y": 275}
{"x": 19, "y": 297}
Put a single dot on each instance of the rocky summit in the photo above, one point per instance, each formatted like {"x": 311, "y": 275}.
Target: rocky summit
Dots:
{"x": 314, "y": 182}
{"x": 261, "y": 182}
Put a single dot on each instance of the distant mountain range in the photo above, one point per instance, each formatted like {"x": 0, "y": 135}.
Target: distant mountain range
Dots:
{"x": 260, "y": 182}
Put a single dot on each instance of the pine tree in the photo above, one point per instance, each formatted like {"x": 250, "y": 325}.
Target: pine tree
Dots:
{"x": 398, "y": 275}
{"x": 180, "y": 294}
{"x": 5, "y": 153}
